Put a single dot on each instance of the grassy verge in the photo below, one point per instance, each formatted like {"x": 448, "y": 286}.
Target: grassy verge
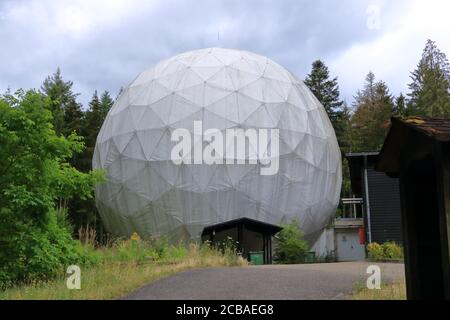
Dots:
{"x": 393, "y": 291}
{"x": 125, "y": 267}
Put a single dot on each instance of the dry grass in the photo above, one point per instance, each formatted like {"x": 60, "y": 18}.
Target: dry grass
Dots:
{"x": 87, "y": 235}
{"x": 116, "y": 278}
{"x": 394, "y": 291}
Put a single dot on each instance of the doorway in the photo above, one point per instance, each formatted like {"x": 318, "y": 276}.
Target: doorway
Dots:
{"x": 348, "y": 246}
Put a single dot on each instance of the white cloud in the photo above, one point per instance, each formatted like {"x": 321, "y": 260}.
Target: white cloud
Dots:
{"x": 72, "y": 18}
{"x": 395, "y": 52}
{"x": 103, "y": 44}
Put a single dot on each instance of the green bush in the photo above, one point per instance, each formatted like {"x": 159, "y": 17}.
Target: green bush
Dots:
{"x": 35, "y": 178}
{"x": 290, "y": 245}
{"x": 384, "y": 252}
{"x": 392, "y": 251}
{"x": 38, "y": 253}
{"x": 375, "y": 251}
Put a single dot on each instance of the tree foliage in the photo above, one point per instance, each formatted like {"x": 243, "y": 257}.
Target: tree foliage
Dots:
{"x": 400, "y": 105}
{"x": 84, "y": 212}
{"x": 66, "y": 111}
{"x": 373, "y": 108}
{"x": 326, "y": 90}
{"x": 68, "y": 118}
{"x": 430, "y": 86}
{"x": 95, "y": 115}
{"x": 35, "y": 178}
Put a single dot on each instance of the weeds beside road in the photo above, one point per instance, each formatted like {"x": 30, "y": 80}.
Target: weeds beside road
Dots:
{"x": 124, "y": 267}
{"x": 393, "y": 291}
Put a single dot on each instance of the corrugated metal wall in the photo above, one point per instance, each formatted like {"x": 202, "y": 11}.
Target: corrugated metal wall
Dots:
{"x": 384, "y": 200}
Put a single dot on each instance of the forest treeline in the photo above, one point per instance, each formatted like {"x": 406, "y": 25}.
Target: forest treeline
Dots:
{"x": 47, "y": 140}
{"x": 362, "y": 126}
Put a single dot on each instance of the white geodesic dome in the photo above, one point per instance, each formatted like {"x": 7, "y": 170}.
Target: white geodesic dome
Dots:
{"x": 147, "y": 193}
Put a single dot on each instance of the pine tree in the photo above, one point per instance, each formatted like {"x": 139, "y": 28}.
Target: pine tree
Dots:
{"x": 95, "y": 115}
{"x": 400, "y": 105}
{"x": 373, "y": 108}
{"x": 326, "y": 91}
{"x": 430, "y": 86}
{"x": 346, "y": 139}
{"x": 85, "y": 212}
{"x": 106, "y": 103}
{"x": 73, "y": 119}
{"x": 90, "y": 130}
{"x": 67, "y": 113}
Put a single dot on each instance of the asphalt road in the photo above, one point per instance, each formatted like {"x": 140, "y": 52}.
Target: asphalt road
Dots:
{"x": 277, "y": 282}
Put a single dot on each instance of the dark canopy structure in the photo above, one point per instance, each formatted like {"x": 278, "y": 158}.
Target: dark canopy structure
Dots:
{"x": 417, "y": 151}
{"x": 251, "y": 235}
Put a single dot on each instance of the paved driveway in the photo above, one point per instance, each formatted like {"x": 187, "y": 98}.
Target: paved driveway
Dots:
{"x": 300, "y": 282}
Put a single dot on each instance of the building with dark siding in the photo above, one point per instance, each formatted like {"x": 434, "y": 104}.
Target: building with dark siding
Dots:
{"x": 381, "y": 209}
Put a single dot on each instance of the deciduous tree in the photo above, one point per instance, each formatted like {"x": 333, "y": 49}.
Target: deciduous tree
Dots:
{"x": 36, "y": 181}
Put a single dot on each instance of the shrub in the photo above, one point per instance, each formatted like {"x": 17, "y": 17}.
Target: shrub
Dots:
{"x": 386, "y": 251}
{"x": 375, "y": 251}
{"x": 39, "y": 253}
{"x": 393, "y": 251}
{"x": 290, "y": 246}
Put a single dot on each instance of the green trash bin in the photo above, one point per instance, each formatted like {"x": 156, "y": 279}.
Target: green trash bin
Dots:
{"x": 311, "y": 257}
{"x": 256, "y": 257}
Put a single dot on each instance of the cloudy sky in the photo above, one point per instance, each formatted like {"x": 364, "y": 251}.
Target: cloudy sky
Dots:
{"x": 104, "y": 44}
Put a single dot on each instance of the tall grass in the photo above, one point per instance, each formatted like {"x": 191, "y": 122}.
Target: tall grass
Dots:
{"x": 87, "y": 236}
{"x": 124, "y": 266}
{"x": 392, "y": 291}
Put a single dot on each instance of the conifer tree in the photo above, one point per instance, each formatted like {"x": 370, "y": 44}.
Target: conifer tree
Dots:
{"x": 400, "y": 105}
{"x": 85, "y": 213}
{"x": 95, "y": 115}
{"x": 326, "y": 91}
{"x": 106, "y": 103}
{"x": 430, "y": 86}
{"x": 67, "y": 113}
{"x": 373, "y": 108}
{"x": 73, "y": 118}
